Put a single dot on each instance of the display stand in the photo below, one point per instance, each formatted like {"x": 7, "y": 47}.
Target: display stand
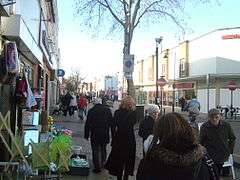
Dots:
{"x": 5, "y": 125}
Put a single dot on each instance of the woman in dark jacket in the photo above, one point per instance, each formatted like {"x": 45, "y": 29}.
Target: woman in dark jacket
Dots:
{"x": 121, "y": 159}
{"x": 175, "y": 155}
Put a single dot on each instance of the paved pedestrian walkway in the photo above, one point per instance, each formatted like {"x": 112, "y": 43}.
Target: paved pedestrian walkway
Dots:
{"x": 77, "y": 126}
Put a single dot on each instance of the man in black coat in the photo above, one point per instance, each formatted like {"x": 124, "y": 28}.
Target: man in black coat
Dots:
{"x": 66, "y": 102}
{"x": 218, "y": 138}
{"x": 146, "y": 126}
{"x": 98, "y": 123}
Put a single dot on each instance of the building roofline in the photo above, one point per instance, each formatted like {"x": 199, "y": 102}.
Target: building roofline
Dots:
{"x": 198, "y": 37}
{"x": 213, "y": 31}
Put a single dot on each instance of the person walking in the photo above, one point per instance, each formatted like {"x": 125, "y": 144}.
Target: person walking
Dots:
{"x": 72, "y": 105}
{"x": 182, "y": 102}
{"x": 97, "y": 126}
{"x": 174, "y": 153}
{"x": 66, "y": 103}
{"x": 218, "y": 138}
{"x": 193, "y": 108}
{"x": 146, "y": 126}
{"x": 82, "y": 107}
{"x": 121, "y": 159}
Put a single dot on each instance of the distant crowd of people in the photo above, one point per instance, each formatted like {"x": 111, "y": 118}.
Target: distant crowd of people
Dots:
{"x": 173, "y": 149}
{"x": 71, "y": 102}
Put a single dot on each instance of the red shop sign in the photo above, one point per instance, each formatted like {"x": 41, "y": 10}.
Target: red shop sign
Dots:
{"x": 185, "y": 85}
{"x": 231, "y": 36}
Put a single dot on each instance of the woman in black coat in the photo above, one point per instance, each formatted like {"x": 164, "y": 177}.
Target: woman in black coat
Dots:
{"x": 174, "y": 153}
{"x": 121, "y": 159}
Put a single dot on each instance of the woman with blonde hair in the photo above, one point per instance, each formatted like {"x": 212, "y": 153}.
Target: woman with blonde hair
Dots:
{"x": 121, "y": 159}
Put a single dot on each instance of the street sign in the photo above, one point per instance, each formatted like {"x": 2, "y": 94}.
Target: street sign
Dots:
{"x": 60, "y": 72}
{"x": 128, "y": 63}
{"x": 232, "y": 85}
{"x": 128, "y": 75}
{"x": 161, "y": 82}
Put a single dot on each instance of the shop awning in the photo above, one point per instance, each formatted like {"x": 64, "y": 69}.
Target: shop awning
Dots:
{"x": 15, "y": 29}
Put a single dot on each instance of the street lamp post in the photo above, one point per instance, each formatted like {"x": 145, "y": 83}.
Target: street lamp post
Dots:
{"x": 158, "y": 41}
{"x": 174, "y": 85}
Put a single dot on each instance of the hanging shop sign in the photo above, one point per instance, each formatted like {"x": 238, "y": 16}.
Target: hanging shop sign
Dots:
{"x": 60, "y": 72}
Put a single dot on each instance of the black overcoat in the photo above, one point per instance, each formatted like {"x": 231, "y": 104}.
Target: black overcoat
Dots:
{"x": 98, "y": 123}
{"x": 123, "y": 143}
{"x": 146, "y": 127}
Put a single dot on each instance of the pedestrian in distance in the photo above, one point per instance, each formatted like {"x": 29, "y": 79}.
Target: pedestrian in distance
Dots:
{"x": 97, "y": 127}
{"x": 121, "y": 159}
{"x": 72, "y": 105}
{"x": 182, "y": 102}
{"x": 66, "y": 103}
{"x": 174, "y": 153}
{"x": 218, "y": 138}
{"x": 146, "y": 126}
{"x": 82, "y": 107}
{"x": 193, "y": 108}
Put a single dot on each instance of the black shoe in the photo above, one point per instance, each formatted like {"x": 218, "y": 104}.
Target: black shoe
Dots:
{"x": 96, "y": 171}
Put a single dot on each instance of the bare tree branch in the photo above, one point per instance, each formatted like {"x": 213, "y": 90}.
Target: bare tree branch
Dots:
{"x": 122, "y": 1}
{"x": 105, "y": 5}
{"x": 145, "y": 11}
{"x": 137, "y": 7}
{"x": 125, "y": 8}
{"x": 169, "y": 15}
{"x": 113, "y": 14}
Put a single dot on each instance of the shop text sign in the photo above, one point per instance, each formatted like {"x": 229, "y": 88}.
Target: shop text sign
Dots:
{"x": 231, "y": 36}
{"x": 184, "y": 85}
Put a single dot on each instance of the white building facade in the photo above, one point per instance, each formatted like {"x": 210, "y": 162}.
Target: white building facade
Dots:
{"x": 187, "y": 66}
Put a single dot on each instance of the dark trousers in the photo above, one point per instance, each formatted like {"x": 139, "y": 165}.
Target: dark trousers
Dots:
{"x": 65, "y": 110}
{"x": 222, "y": 171}
{"x": 81, "y": 113}
{"x": 99, "y": 155}
{"x": 71, "y": 110}
{"x": 124, "y": 175}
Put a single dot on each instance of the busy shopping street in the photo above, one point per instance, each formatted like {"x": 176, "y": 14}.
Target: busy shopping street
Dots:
{"x": 119, "y": 90}
{"x": 77, "y": 126}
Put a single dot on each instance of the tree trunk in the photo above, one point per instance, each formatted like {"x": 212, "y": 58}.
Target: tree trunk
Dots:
{"x": 126, "y": 51}
{"x": 131, "y": 89}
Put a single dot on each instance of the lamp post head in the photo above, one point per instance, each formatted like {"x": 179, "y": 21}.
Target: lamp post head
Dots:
{"x": 159, "y": 40}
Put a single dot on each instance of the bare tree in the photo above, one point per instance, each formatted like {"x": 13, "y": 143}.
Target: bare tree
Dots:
{"x": 127, "y": 15}
{"x": 74, "y": 81}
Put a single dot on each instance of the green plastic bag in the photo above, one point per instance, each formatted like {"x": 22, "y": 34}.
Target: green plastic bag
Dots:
{"x": 60, "y": 143}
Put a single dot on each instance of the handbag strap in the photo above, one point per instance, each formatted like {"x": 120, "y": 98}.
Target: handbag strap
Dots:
{"x": 152, "y": 144}
{"x": 211, "y": 167}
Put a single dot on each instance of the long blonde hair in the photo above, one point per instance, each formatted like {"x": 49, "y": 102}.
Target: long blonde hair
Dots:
{"x": 128, "y": 103}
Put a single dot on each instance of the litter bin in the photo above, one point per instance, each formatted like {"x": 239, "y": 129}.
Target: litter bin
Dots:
{"x": 140, "y": 112}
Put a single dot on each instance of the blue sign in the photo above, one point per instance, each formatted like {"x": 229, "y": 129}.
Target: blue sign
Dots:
{"x": 128, "y": 64}
{"x": 60, "y": 73}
